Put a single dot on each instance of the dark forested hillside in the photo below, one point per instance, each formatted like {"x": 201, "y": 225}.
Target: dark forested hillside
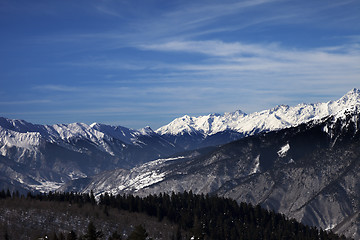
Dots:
{"x": 65, "y": 216}
{"x": 176, "y": 216}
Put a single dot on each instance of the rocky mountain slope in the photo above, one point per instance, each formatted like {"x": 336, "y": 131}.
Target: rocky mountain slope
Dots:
{"x": 309, "y": 172}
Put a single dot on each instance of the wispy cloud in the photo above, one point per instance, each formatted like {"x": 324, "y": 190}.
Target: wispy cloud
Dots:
{"x": 230, "y": 59}
{"x": 197, "y": 15}
{"x": 191, "y": 20}
{"x": 26, "y": 102}
{"x": 107, "y": 10}
{"x": 226, "y": 69}
{"x": 57, "y": 88}
{"x": 211, "y": 47}
{"x": 229, "y": 49}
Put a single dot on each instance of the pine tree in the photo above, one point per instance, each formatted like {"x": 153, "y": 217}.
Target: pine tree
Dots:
{"x": 61, "y": 236}
{"x": 54, "y": 236}
{"x": 8, "y": 194}
{"x": 6, "y": 235}
{"x": 139, "y": 233}
{"x": 178, "y": 234}
{"x": 115, "y": 236}
{"x": 91, "y": 233}
{"x": 92, "y": 198}
{"x": 71, "y": 236}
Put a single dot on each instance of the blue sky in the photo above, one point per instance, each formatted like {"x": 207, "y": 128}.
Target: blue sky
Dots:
{"x": 145, "y": 62}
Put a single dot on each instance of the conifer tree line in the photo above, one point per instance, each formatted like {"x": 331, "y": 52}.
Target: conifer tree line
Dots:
{"x": 200, "y": 216}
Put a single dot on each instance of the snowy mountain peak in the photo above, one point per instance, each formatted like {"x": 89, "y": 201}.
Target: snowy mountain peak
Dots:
{"x": 124, "y": 134}
{"x": 186, "y": 118}
{"x": 281, "y": 116}
{"x": 146, "y": 131}
{"x": 280, "y": 108}
{"x": 26, "y": 135}
{"x": 236, "y": 114}
{"x": 207, "y": 125}
{"x": 95, "y": 125}
{"x": 351, "y": 98}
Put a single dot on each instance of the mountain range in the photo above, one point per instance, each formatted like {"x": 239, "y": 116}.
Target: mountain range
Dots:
{"x": 302, "y": 161}
{"x": 38, "y": 157}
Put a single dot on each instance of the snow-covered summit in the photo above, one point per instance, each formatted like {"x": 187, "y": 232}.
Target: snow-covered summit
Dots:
{"x": 26, "y": 135}
{"x": 124, "y": 134}
{"x": 351, "y": 98}
{"x": 279, "y": 117}
{"x": 207, "y": 125}
{"x": 146, "y": 131}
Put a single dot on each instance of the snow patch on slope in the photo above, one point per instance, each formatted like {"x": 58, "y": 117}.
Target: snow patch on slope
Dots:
{"x": 132, "y": 180}
{"x": 46, "y": 186}
{"x": 148, "y": 174}
{"x": 283, "y": 150}
{"x": 256, "y": 168}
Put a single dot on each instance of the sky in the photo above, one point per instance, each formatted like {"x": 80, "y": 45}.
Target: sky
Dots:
{"x": 138, "y": 63}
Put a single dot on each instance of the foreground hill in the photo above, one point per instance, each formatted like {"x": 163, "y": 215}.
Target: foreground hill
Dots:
{"x": 176, "y": 216}
{"x": 56, "y": 216}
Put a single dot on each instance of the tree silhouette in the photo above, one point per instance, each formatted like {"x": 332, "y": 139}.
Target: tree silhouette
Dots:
{"x": 91, "y": 233}
{"x": 139, "y": 233}
{"x": 115, "y": 236}
{"x": 71, "y": 236}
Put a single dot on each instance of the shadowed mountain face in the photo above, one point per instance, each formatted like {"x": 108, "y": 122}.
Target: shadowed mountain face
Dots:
{"x": 310, "y": 172}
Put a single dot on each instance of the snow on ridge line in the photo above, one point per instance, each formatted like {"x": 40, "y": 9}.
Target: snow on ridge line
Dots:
{"x": 159, "y": 161}
{"x": 24, "y": 140}
{"x": 281, "y": 116}
{"x": 99, "y": 134}
{"x": 170, "y": 159}
{"x": 276, "y": 118}
{"x": 67, "y": 131}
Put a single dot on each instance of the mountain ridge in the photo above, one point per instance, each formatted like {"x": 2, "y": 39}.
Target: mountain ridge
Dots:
{"x": 275, "y": 118}
{"x": 279, "y": 117}
{"x": 203, "y": 124}
{"x": 104, "y": 147}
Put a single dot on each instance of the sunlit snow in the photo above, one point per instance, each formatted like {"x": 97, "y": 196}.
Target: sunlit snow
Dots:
{"x": 280, "y": 117}
{"x": 256, "y": 167}
{"x": 137, "y": 178}
{"x": 46, "y": 186}
{"x": 283, "y": 151}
